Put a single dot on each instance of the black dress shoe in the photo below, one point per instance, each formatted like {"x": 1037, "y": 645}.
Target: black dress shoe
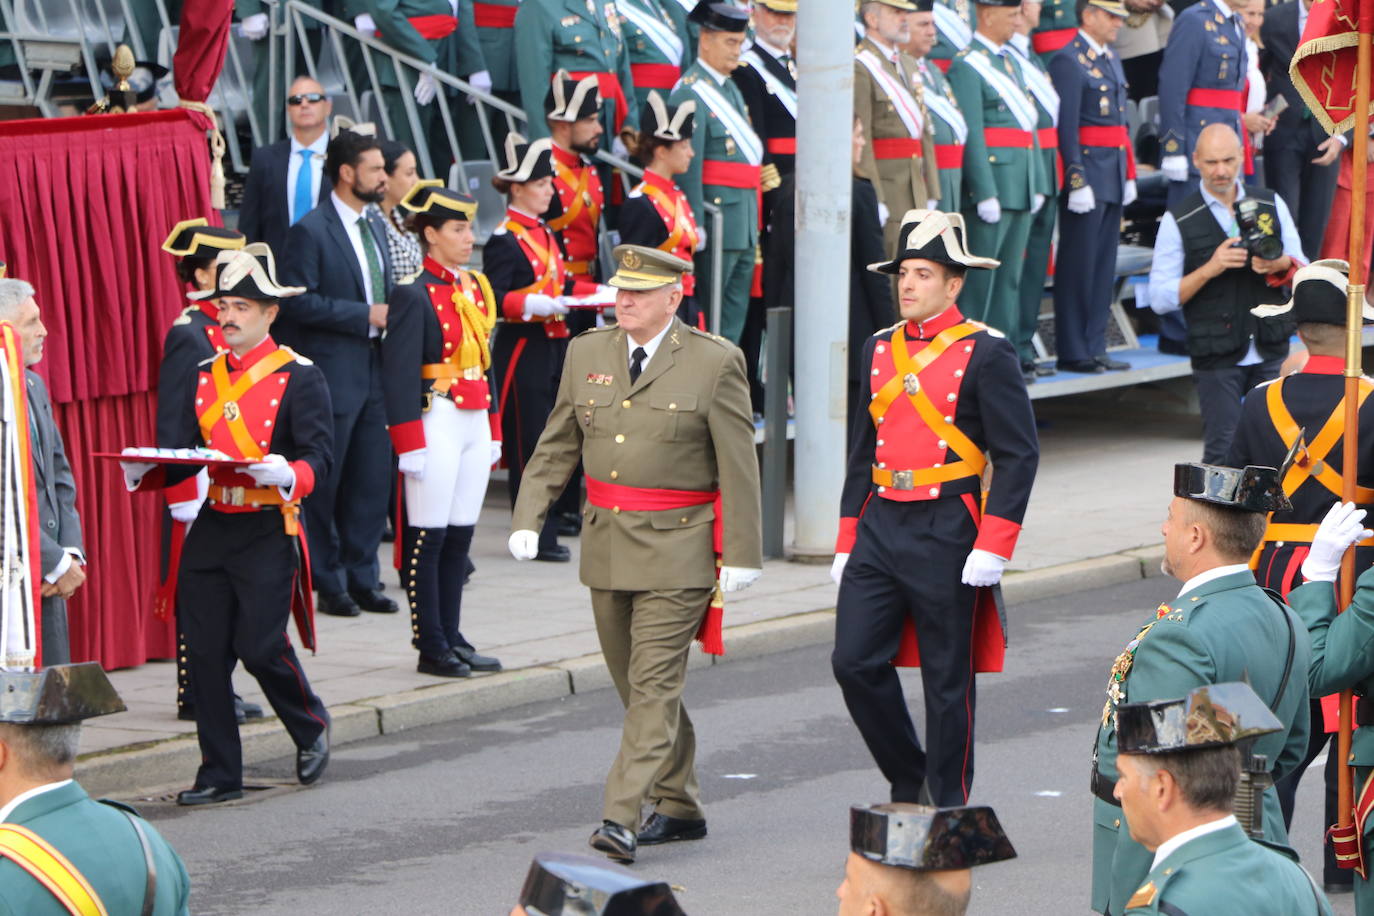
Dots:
{"x": 469, "y": 656}
{"x": 339, "y": 605}
{"x": 244, "y": 710}
{"x": 448, "y": 666}
{"x": 311, "y": 761}
{"x": 617, "y": 842}
{"x": 209, "y": 795}
{"x": 660, "y": 828}
{"x": 372, "y": 600}
{"x": 1085, "y": 366}
{"x": 1043, "y": 369}
{"x": 1111, "y": 365}
{"x": 569, "y": 525}
{"x": 555, "y": 554}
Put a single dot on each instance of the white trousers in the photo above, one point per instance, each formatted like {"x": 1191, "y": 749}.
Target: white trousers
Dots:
{"x": 457, "y": 467}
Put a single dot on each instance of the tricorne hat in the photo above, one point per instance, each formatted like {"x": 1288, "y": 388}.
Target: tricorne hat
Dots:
{"x": 719, "y": 17}
{"x": 526, "y": 161}
{"x": 572, "y": 100}
{"x": 933, "y": 235}
{"x": 56, "y": 695}
{"x": 430, "y": 196}
{"x": 668, "y": 122}
{"x": 250, "y": 273}
{"x": 1251, "y": 488}
{"x": 1319, "y": 295}
{"x": 560, "y": 884}
{"x": 639, "y": 267}
{"x": 923, "y": 838}
{"x": 196, "y": 238}
{"x": 1215, "y": 715}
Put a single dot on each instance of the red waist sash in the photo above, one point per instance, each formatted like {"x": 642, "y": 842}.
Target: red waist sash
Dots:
{"x": 609, "y": 85}
{"x": 729, "y": 174}
{"x": 655, "y": 76}
{"x": 896, "y": 147}
{"x": 1117, "y": 136}
{"x": 494, "y": 15}
{"x": 1215, "y": 98}
{"x": 1008, "y": 137}
{"x": 781, "y": 146}
{"x": 434, "y": 27}
{"x": 949, "y": 155}
{"x": 1049, "y": 137}
{"x": 1052, "y": 40}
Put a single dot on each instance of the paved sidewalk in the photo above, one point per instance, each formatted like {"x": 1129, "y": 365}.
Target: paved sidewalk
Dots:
{"x": 1104, "y": 483}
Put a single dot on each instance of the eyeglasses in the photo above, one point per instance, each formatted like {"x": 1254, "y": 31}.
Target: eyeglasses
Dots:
{"x": 305, "y": 97}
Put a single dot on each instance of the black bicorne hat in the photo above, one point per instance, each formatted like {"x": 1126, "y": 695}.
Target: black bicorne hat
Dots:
{"x": 431, "y": 197}
{"x": 196, "y": 238}
{"x": 572, "y": 100}
{"x": 526, "y": 161}
{"x": 250, "y": 273}
{"x": 933, "y": 235}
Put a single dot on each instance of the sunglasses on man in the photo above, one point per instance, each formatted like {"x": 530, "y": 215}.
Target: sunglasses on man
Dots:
{"x": 305, "y": 97}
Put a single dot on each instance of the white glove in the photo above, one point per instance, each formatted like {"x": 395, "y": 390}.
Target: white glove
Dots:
{"x": 412, "y": 464}
{"x": 1082, "y": 200}
{"x": 1037, "y": 201}
{"x": 185, "y": 511}
{"x": 425, "y": 89}
{"x": 737, "y": 578}
{"x": 882, "y": 213}
{"x": 989, "y": 211}
{"x": 481, "y": 81}
{"x": 1175, "y": 168}
{"x": 495, "y": 451}
{"x": 273, "y": 471}
{"x": 1342, "y": 527}
{"x": 134, "y": 470}
{"x": 701, "y": 237}
{"x": 837, "y": 567}
{"x": 254, "y": 27}
{"x": 543, "y": 306}
{"x": 364, "y": 23}
{"x": 524, "y": 544}
{"x": 932, "y": 205}
{"x": 618, "y": 148}
{"x": 1128, "y": 193}
{"x": 983, "y": 568}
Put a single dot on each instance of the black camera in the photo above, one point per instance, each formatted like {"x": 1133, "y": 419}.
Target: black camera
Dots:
{"x": 1259, "y": 230}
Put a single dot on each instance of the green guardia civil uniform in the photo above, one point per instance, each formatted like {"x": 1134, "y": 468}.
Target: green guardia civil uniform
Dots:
{"x": 1226, "y": 629}
{"x": 1036, "y": 265}
{"x": 1342, "y": 657}
{"x": 1227, "y": 872}
{"x": 1001, "y": 160}
{"x": 580, "y": 36}
{"x": 495, "y": 21}
{"x": 684, "y": 424}
{"x": 1057, "y": 27}
{"x": 955, "y": 21}
{"x": 100, "y": 841}
{"x": 657, "y": 35}
{"x": 951, "y": 132}
{"x": 724, "y": 172}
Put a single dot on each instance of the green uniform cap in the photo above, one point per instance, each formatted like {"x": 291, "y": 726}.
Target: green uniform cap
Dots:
{"x": 639, "y": 267}
{"x": 922, "y": 838}
{"x": 1212, "y": 716}
{"x": 59, "y": 695}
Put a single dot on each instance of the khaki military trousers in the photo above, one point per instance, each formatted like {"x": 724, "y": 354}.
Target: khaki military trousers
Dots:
{"x": 645, "y": 637}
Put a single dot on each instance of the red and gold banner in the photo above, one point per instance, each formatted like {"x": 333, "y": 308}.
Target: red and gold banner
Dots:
{"x": 1323, "y": 67}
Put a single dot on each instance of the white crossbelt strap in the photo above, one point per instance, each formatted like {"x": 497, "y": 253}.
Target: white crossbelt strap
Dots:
{"x": 1005, "y": 86}
{"x": 1039, "y": 84}
{"x": 945, "y": 109}
{"x": 735, "y": 122}
{"x": 785, "y": 93}
{"x": 659, "y": 32}
{"x": 902, "y": 99}
{"x": 951, "y": 25}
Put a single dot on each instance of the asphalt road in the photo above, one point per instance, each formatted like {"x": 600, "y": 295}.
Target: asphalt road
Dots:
{"x": 446, "y": 819}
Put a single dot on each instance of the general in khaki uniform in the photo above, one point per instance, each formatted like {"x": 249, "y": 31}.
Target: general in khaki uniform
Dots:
{"x": 662, "y": 426}
{"x": 1221, "y": 627}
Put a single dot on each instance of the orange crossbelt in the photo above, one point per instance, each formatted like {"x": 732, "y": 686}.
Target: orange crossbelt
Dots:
{"x": 227, "y": 393}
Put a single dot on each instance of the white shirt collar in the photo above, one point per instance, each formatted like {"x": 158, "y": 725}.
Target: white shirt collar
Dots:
{"x": 1226, "y": 12}
{"x": 992, "y": 45}
{"x": 1092, "y": 43}
{"x": 771, "y": 50}
{"x": 715, "y": 74}
{"x": 888, "y": 52}
{"x": 649, "y": 348}
{"x": 1213, "y": 200}
{"x": 346, "y": 213}
{"x": 318, "y": 147}
{"x": 1021, "y": 42}
{"x": 22, "y": 797}
{"x": 1216, "y": 572}
{"x": 1171, "y": 845}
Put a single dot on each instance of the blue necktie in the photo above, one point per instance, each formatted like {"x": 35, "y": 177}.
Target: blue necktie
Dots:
{"x": 300, "y": 204}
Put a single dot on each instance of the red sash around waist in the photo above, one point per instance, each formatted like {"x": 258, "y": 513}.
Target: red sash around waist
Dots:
{"x": 896, "y": 147}
{"x": 1049, "y": 137}
{"x": 781, "y": 146}
{"x": 494, "y": 15}
{"x": 729, "y": 174}
{"x": 949, "y": 155}
{"x": 434, "y": 27}
{"x": 1115, "y": 136}
{"x": 609, "y": 85}
{"x": 1052, "y": 40}
{"x": 1008, "y": 137}
{"x": 1215, "y": 98}
{"x": 655, "y": 76}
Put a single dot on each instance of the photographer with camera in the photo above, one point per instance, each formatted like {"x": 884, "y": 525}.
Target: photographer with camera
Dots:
{"x": 1221, "y": 251}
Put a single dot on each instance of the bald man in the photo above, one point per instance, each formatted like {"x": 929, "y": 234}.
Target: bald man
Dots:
{"x": 1204, "y": 269}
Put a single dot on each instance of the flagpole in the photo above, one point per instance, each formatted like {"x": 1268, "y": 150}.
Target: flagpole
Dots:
{"x": 1354, "y": 314}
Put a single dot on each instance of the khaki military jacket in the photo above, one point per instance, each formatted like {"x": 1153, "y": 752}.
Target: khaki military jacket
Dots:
{"x": 685, "y": 424}
{"x": 900, "y": 183}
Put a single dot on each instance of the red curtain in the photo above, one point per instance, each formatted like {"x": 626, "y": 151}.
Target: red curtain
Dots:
{"x": 201, "y": 46}
{"x": 84, "y": 206}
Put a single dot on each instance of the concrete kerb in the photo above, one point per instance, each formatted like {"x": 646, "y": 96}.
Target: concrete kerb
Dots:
{"x": 171, "y": 762}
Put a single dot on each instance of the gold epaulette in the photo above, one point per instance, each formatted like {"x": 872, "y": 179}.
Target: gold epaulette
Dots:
{"x": 185, "y": 316}
{"x": 304, "y": 361}
{"x": 410, "y": 279}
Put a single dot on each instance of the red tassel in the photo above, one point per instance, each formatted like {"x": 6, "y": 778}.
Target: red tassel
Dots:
{"x": 710, "y": 633}
{"x": 1345, "y": 844}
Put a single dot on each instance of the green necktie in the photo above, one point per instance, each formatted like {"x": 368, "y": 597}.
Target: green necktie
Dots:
{"x": 374, "y": 263}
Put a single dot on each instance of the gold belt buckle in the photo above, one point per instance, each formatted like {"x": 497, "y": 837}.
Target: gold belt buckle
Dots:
{"x": 426, "y": 402}
{"x": 901, "y": 480}
{"x": 233, "y": 495}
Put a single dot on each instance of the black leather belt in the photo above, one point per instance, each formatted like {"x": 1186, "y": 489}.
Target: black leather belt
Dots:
{"x": 1102, "y": 787}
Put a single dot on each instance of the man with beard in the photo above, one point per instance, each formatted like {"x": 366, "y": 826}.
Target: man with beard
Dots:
{"x": 338, "y": 253}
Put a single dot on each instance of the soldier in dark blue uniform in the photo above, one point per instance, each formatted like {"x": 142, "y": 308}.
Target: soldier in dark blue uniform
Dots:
{"x": 1099, "y": 177}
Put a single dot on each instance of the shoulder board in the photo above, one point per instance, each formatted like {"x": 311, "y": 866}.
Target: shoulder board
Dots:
{"x": 714, "y": 338}
{"x": 298, "y": 358}
{"x": 1144, "y": 895}
{"x": 410, "y": 279}
{"x": 130, "y": 809}
{"x": 888, "y": 330}
{"x": 689, "y": 79}
{"x": 186, "y": 313}
{"x": 499, "y": 230}
{"x": 963, "y": 52}
{"x": 1272, "y": 381}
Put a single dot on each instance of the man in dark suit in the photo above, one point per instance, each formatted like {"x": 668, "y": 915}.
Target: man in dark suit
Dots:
{"x": 1300, "y": 160}
{"x": 287, "y": 178}
{"x": 59, "y": 527}
{"x": 338, "y": 252}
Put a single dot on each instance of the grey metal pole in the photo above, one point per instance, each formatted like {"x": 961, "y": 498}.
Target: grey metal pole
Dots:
{"x": 773, "y": 471}
{"x": 825, "y": 94}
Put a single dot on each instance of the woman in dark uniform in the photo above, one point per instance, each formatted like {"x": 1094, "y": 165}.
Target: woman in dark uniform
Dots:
{"x": 524, "y": 261}
{"x": 656, "y": 214}
{"x": 441, "y": 416}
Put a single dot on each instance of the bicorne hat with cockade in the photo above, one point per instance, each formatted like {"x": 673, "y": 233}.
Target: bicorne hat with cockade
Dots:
{"x": 525, "y": 160}
{"x": 249, "y": 273}
{"x": 431, "y": 197}
{"x": 572, "y": 100}
{"x": 933, "y": 235}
